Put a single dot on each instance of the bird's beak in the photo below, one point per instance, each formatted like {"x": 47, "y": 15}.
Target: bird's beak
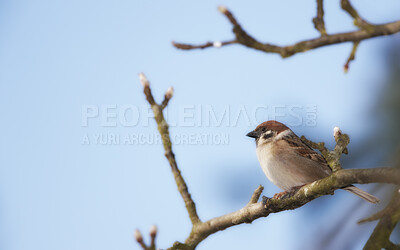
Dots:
{"x": 252, "y": 134}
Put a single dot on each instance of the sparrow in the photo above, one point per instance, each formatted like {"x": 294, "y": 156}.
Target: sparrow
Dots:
{"x": 289, "y": 162}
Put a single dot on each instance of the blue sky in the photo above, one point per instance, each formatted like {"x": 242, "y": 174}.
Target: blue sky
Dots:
{"x": 57, "y": 57}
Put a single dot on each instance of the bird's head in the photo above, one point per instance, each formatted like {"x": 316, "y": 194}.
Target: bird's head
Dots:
{"x": 268, "y": 131}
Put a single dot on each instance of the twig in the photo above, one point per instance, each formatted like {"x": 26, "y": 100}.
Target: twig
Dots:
{"x": 168, "y": 95}
{"x": 352, "y": 56}
{"x": 318, "y": 21}
{"x": 153, "y": 234}
{"x": 256, "y": 195}
{"x": 243, "y": 38}
{"x": 380, "y": 238}
{"x": 317, "y": 145}
{"x": 374, "y": 217}
{"x": 332, "y": 157}
{"x": 164, "y": 132}
{"x": 139, "y": 239}
{"x": 342, "y": 140}
{"x": 358, "y": 21}
{"x": 203, "y": 46}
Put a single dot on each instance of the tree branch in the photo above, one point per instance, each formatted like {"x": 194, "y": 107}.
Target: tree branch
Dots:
{"x": 202, "y": 46}
{"x": 242, "y": 37}
{"x": 318, "y": 21}
{"x": 352, "y": 56}
{"x": 332, "y": 157}
{"x": 256, "y": 195}
{"x": 139, "y": 238}
{"x": 358, "y": 21}
{"x": 253, "y": 211}
{"x": 388, "y": 218}
{"x": 164, "y": 132}
{"x": 168, "y": 95}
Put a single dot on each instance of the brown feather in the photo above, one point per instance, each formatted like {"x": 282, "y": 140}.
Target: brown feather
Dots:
{"x": 303, "y": 149}
{"x": 272, "y": 125}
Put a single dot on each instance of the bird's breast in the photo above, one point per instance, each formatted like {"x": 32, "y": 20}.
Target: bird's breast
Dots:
{"x": 281, "y": 167}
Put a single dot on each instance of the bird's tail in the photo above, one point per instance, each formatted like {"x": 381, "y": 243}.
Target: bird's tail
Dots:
{"x": 362, "y": 194}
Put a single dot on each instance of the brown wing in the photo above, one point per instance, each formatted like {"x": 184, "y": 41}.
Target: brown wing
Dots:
{"x": 303, "y": 149}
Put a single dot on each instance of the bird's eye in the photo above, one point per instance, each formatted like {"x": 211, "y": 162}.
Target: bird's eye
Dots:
{"x": 263, "y": 129}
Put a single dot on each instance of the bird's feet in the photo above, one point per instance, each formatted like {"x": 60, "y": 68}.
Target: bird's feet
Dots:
{"x": 287, "y": 194}
{"x": 280, "y": 195}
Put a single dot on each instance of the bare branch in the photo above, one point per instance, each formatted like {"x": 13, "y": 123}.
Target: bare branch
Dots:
{"x": 374, "y": 217}
{"x": 338, "y": 135}
{"x": 153, "y": 234}
{"x": 168, "y": 95}
{"x": 358, "y": 21}
{"x": 139, "y": 239}
{"x": 317, "y": 145}
{"x": 304, "y": 195}
{"x": 242, "y": 37}
{"x": 342, "y": 140}
{"x": 146, "y": 88}
{"x": 352, "y": 56}
{"x": 318, "y": 21}
{"x": 332, "y": 157}
{"x": 203, "y": 46}
{"x": 256, "y": 195}
{"x": 391, "y": 216}
{"x": 164, "y": 132}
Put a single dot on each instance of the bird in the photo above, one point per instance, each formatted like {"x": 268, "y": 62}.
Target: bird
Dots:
{"x": 289, "y": 162}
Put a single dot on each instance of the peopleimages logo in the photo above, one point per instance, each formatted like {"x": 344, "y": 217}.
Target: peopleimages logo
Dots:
{"x": 109, "y": 116}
